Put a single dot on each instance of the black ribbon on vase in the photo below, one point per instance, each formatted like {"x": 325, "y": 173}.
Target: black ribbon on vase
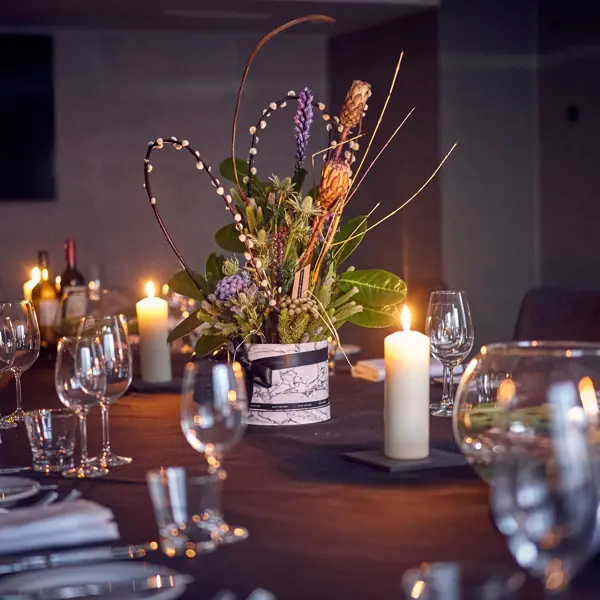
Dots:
{"x": 260, "y": 372}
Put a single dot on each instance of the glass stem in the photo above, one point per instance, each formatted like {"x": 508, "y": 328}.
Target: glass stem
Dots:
{"x": 18, "y": 387}
{"x": 450, "y": 401}
{"x": 83, "y": 433}
{"x": 445, "y": 391}
{"x": 105, "y": 430}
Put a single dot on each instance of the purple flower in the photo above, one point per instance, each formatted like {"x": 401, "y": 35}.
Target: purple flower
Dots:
{"x": 303, "y": 121}
{"x": 233, "y": 284}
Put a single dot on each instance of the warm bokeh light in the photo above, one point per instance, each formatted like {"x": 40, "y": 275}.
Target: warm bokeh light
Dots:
{"x": 165, "y": 289}
{"x": 405, "y": 318}
{"x": 57, "y": 281}
{"x": 150, "y": 289}
{"x": 506, "y": 391}
{"x": 417, "y": 589}
{"x": 36, "y": 274}
{"x": 587, "y": 393}
{"x": 45, "y": 274}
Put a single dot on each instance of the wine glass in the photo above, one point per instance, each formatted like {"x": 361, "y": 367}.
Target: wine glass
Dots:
{"x": 80, "y": 381}
{"x": 27, "y": 346}
{"x": 214, "y": 408}
{"x": 7, "y": 353}
{"x": 544, "y": 493}
{"x": 450, "y": 332}
{"x": 112, "y": 333}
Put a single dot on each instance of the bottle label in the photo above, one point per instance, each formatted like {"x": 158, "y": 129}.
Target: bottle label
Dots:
{"x": 75, "y": 302}
{"x": 48, "y": 310}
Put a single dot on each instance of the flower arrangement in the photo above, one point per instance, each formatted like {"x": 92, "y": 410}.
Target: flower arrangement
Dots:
{"x": 284, "y": 280}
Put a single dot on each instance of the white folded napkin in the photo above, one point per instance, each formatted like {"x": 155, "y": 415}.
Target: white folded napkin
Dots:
{"x": 60, "y": 524}
{"x": 374, "y": 369}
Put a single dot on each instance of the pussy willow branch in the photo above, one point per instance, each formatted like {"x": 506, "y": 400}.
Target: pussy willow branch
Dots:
{"x": 261, "y": 43}
{"x": 259, "y": 273}
{"x": 262, "y": 124}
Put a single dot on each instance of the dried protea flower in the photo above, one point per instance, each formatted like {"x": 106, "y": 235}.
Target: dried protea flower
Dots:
{"x": 354, "y": 104}
{"x": 335, "y": 182}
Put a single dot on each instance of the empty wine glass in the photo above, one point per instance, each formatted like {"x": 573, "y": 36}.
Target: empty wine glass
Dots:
{"x": 214, "y": 407}
{"x": 450, "y": 332}
{"x": 7, "y": 353}
{"x": 544, "y": 493}
{"x": 80, "y": 381}
{"x": 112, "y": 333}
{"x": 27, "y": 346}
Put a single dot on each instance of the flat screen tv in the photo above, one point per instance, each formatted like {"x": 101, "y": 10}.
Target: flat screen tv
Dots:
{"x": 27, "y": 118}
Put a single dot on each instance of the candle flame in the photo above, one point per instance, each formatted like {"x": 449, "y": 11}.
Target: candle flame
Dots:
{"x": 405, "y": 318}
{"x": 150, "y": 289}
{"x": 587, "y": 393}
{"x": 36, "y": 274}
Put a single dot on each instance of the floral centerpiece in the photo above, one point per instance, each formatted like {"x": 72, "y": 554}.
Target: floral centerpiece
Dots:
{"x": 284, "y": 288}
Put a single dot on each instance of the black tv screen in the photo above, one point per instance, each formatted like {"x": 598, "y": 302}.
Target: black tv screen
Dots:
{"x": 27, "y": 118}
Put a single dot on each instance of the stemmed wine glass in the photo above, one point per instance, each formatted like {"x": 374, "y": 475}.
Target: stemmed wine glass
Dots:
{"x": 450, "y": 332}
{"x": 80, "y": 381}
{"x": 7, "y": 353}
{"x": 214, "y": 408}
{"x": 27, "y": 347}
{"x": 544, "y": 493}
{"x": 112, "y": 333}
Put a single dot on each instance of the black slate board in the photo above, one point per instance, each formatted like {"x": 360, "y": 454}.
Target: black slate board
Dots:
{"x": 437, "y": 459}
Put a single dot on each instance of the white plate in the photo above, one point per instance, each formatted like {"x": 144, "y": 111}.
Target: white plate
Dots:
{"x": 13, "y": 489}
{"x": 86, "y": 574}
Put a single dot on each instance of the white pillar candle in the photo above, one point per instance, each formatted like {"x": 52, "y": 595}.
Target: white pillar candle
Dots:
{"x": 155, "y": 356}
{"x": 406, "y": 411}
{"x": 29, "y": 285}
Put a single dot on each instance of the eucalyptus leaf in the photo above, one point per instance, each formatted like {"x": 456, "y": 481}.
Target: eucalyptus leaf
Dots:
{"x": 228, "y": 238}
{"x": 376, "y": 287}
{"x": 377, "y": 317}
{"x": 214, "y": 267}
{"x": 207, "y": 344}
{"x": 355, "y": 229}
{"x": 186, "y": 326}
{"x": 181, "y": 283}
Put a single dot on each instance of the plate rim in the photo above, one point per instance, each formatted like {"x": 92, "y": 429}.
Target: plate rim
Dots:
{"x": 35, "y": 489}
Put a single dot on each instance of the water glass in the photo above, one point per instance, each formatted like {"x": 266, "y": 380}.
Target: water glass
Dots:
{"x": 186, "y": 508}
{"x": 450, "y": 330}
{"x": 453, "y": 581}
{"x": 544, "y": 493}
{"x": 51, "y": 436}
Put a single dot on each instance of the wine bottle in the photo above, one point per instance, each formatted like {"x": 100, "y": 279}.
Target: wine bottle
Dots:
{"x": 45, "y": 301}
{"x": 72, "y": 286}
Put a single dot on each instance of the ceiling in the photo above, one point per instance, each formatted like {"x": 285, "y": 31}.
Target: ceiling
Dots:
{"x": 201, "y": 15}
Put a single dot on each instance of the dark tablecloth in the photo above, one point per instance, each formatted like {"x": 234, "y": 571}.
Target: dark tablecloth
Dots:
{"x": 320, "y": 527}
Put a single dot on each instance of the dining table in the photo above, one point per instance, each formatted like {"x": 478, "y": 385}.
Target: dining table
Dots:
{"x": 321, "y": 527}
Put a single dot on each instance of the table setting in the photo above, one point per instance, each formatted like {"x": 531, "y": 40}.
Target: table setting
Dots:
{"x": 242, "y": 450}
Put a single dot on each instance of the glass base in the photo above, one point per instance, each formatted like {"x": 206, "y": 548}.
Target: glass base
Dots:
{"x": 110, "y": 459}
{"x": 231, "y": 534}
{"x": 87, "y": 472}
{"x": 16, "y": 417}
{"x": 7, "y": 424}
{"x": 442, "y": 411}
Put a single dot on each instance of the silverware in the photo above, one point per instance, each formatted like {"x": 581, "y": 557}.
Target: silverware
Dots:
{"x": 72, "y": 495}
{"x": 13, "y": 470}
{"x": 74, "y": 557}
{"x": 112, "y": 588}
{"x": 48, "y": 499}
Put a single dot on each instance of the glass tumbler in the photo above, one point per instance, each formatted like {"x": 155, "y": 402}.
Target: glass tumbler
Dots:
{"x": 187, "y": 510}
{"x": 51, "y": 436}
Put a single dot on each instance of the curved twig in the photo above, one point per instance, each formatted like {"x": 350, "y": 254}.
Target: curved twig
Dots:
{"x": 260, "y": 275}
{"x": 261, "y": 43}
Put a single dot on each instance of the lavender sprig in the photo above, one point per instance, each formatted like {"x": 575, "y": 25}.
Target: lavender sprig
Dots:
{"x": 303, "y": 121}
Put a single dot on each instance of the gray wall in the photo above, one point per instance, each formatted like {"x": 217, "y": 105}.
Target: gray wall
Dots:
{"x": 490, "y": 237}
{"x": 569, "y": 45}
{"x": 114, "y": 92}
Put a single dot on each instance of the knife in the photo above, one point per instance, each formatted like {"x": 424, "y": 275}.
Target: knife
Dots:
{"x": 108, "y": 589}
{"x": 74, "y": 557}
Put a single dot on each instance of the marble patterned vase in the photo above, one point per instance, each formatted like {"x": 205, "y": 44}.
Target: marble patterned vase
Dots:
{"x": 298, "y": 396}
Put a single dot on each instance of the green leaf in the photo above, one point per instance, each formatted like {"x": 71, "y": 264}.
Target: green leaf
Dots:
{"x": 376, "y": 287}
{"x": 226, "y": 170}
{"x": 355, "y": 228}
{"x": 214, "y": 267}
{"x": 376, "y": 317}
{"x": 298, "y": 179}
{"x": 313, "y": 192}
{"x": 181, "y": 283}
{"x": 207, "y": 344}
{"x": 228, "y": 238}
{"x": 186, "y": 326}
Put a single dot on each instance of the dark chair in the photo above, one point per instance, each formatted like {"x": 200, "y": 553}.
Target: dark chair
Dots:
{"x": 559, "y": 314}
